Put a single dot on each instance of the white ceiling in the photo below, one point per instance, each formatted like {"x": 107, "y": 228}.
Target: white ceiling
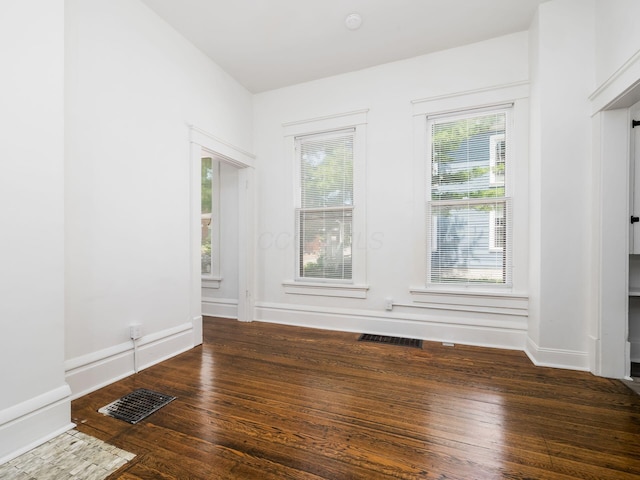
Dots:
{"x": 267, "y": 44}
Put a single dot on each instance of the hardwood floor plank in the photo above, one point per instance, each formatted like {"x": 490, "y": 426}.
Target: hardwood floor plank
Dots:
{"x": 269, "y": 401}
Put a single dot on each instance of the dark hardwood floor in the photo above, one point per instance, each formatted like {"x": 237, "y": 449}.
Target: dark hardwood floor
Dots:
{"x": 263, "y": 401}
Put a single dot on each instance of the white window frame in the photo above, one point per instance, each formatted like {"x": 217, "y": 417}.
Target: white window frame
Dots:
{"x": 434, "y": 233}
{"x": 493, "y": 162}
{"x": 213, "y": 279}
{"x": 516, "y": 178}
{"x": 357, "y": 286}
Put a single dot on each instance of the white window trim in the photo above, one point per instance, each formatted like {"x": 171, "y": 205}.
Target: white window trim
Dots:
{"x": 493, "y": 140}
{"x": 357, "y": 286}
{"x": 516, "y": 178}
{"x": 213, "y": 279}
{"x": 209, "y": 281}
{"x": 492, "y": 232}
{"x": 434, "y": 233}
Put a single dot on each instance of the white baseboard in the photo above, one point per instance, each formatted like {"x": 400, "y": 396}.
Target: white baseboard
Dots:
{"x": 549, "y": 357}
{"x": 34, "y": 422}
{"x": 93, "y": 371}
{"x": 505, "y": 334}
{"x": 220, "y": 307}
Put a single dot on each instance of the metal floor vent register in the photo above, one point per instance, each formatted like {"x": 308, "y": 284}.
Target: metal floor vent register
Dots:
{"x": 136, "y": 406}
{"x": 404, "y": 342}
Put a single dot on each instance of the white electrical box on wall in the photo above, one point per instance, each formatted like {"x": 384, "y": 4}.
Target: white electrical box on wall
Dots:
{"x": 135, "y": 331}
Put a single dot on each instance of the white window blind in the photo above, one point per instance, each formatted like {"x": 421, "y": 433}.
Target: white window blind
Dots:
{"x": 469, "y": 213}
{"x": 325, "y": 206}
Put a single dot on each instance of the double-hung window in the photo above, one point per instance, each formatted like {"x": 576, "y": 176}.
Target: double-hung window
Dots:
{"x": 324, "y": 214}
{"x": 329, "y": 251}
{"x": 468, "y": 206}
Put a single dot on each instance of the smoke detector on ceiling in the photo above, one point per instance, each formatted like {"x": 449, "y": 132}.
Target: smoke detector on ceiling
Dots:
{"x": 353, "y": 21}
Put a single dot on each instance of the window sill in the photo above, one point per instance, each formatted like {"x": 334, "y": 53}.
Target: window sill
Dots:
{"x": 211, "y": 282}
{"x": 489, "y": 301}
{"x": 326, "y": 289}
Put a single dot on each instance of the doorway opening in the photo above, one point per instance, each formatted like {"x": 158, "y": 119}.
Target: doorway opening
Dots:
{"x": 219, "y": 236}
{"x": 221, "y": 241}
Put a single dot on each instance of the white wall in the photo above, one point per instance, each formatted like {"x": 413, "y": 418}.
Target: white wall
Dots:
{"x": 34, "y": 403}
{"x": 617, "y": 35}
{"x": 387, "y": 91}
{"x": 133, "y": 86}
{"x": 561, "y": 35}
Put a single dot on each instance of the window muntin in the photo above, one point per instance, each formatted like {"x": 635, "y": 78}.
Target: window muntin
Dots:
{"x": 497, "y": 230}
{"x": 469, "y": 214}
{"x": 497, "y": 157}
{"x": 325, "y": 206}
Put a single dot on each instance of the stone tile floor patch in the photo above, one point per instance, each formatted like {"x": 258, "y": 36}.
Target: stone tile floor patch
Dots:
{"x": 72, "y": 455}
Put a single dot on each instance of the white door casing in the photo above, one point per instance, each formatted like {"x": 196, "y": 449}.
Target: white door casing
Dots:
{"x": 202, "y": 141}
